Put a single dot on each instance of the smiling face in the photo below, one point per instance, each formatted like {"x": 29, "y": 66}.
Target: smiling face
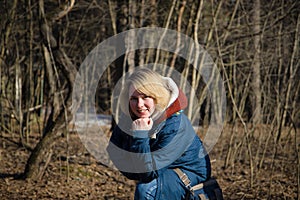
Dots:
{"x": 141, "y": 105}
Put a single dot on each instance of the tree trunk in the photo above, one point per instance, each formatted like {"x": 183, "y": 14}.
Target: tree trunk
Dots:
{"x": 60, "y": 102}
{"x": 130, "y": 41}
{"x": 256, "y": 65}
{"x": 57, "y": 124}
{"x": 41, "y": 155}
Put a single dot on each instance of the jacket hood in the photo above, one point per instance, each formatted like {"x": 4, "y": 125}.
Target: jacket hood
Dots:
{"x": 178, "y": 101}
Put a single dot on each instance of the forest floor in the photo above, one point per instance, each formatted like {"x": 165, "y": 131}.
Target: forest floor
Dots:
{"x": 82, "y": 177}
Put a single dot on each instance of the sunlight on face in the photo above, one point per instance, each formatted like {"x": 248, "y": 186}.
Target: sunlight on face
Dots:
{"x": 140, "y": 104}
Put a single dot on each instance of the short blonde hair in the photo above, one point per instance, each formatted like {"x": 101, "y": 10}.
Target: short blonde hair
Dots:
{"x": 151, "y": 84}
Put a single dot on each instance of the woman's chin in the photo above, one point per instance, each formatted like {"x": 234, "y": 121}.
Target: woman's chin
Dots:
{"x": 143, "y": 115}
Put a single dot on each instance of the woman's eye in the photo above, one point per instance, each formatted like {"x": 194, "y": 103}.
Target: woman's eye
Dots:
{"x": 141, "y": 97}
{"x": 147, "y": 98}
{"x": 133, "y": 99}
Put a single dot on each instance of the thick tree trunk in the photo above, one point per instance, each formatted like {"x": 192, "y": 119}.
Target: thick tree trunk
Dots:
{"x": 57, "y": 124}
{"x": 41, "y": 155}
{"x": 60, "y": 102}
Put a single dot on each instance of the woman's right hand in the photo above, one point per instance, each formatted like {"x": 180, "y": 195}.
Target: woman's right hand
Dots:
{"x": 142, "y": 124}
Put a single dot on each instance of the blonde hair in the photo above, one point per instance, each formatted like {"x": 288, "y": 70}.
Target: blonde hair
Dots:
{"x": 149, "y": 83}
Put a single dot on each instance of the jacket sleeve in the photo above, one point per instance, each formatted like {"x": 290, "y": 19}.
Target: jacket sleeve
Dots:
{"x": 131, "y": 155}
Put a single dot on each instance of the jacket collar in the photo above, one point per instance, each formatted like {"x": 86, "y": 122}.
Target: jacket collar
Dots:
{"x": 180, "y": 103}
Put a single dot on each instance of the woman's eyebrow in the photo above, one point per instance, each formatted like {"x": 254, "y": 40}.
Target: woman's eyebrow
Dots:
{"x": 139, "y": 95}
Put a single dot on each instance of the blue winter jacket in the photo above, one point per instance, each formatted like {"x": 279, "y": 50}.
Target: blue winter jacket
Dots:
{"x": 140, "y": 157}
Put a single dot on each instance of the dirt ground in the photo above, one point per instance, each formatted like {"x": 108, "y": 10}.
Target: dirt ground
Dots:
{"x": 82, "y": 177}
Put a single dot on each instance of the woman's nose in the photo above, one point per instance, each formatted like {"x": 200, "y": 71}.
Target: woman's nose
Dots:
{"x": 140, "y": 102}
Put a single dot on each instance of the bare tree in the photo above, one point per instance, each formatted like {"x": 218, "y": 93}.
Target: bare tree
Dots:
{"x": 254, "y": 44}
{"x": 60, "y": 113}
{"x": 256, "y": 84}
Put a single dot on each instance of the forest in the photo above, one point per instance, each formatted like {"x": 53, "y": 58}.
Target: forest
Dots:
{"x": 46, "y": 45}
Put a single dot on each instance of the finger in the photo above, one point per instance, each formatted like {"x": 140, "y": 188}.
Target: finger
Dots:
{"x": 150, "y": 122}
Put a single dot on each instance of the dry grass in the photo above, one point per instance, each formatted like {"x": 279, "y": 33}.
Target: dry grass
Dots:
{"x": 82, "y": 177}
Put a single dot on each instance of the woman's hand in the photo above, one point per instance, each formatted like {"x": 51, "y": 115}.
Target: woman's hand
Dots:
{"x": 142, "y": 124}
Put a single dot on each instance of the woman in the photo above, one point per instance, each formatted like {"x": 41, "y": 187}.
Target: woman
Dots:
{"x": 155, "y": 143}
